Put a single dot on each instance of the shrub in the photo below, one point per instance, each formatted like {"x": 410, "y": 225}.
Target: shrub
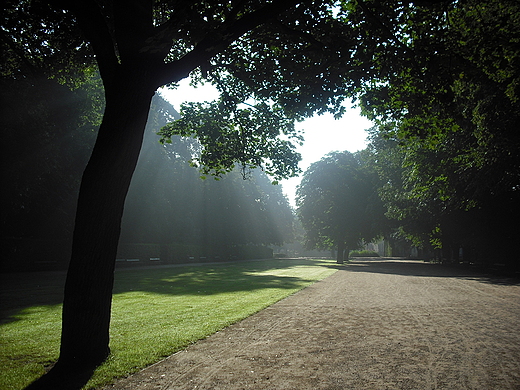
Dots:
{"x": 363, "y": 253}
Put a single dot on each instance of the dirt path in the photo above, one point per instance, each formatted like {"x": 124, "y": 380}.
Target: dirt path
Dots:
{"x": 382, "y": 324}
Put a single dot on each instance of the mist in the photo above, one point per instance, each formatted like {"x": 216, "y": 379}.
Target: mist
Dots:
{"x": 171, "y": 214}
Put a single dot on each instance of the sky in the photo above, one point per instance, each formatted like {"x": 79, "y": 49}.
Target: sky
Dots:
{"x": 323, "y": 134}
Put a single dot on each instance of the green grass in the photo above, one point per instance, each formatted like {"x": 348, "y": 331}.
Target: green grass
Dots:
{"x": 155, "y": 312}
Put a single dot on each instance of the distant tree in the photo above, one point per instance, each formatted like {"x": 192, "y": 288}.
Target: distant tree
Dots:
{"x": 212, "y": 214}
{"x": 48, "y": 131}
{"x": 338, "y": 203}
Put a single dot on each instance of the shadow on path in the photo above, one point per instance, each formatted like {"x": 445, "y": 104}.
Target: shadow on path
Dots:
{"x": 404, "y": 267}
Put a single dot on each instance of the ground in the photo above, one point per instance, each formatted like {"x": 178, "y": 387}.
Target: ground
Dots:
{"x": 374, "y": 324}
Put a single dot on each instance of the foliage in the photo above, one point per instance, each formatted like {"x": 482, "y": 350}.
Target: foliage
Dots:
{"x": 287, "y": 63}
{"x": 52, "y": 104}
{"x": 48, "y": 131}
{"x": 168, "y": 203}
{"x": 455, "y": 88}
{"x": 363, "y": 253}
{"x": 39, "y": 42}
{"x": 189, "y": 303}
{"x": 446, "y": 107}
{"x": 338, "y": 204}
{"x": 428, "y": 198}
{"x": 230, "y": 135}
{"x": 289, "y": 68}
{"x": 408, "y": 189}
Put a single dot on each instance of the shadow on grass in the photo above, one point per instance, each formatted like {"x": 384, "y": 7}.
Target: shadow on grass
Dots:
{"x": 63, "y": 378}
{"x": 215, "y": 279}
{"x": 404, "y": 267}
{"x": 20, "y": 291}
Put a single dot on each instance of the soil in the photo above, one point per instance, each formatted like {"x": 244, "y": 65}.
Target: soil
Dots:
{"x": 374, "y": 324}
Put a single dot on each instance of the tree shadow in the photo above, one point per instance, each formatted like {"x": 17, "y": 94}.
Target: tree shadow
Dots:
{"x": 405, "y": 267}
{"x": 215, "y": 279}
{"x": 21, "y": 291}
{"x": 63, "y": 378}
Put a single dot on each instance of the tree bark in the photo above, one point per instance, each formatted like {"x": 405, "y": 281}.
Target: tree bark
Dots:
{"x": 341, "y": 251}
{"x": 105, "y": 183}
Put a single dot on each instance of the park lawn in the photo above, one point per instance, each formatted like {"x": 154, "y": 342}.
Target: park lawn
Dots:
{"x": 156, "y": 312}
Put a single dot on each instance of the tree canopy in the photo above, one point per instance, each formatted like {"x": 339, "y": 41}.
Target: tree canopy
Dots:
{"x": 338, "y": 203}
{"x": 446, "y": 107}
{"x": 448, "y": 80}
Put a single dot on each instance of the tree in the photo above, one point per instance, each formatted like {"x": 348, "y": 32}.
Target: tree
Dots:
{"x": 168, "y": 203}
{"x": 48, "y": 131}
{"x": 413, "y": 187}
{"x": 447, "y": 79}
{"x": 274, "y": 52}
{"x": 338, "y": 204}
{"x": 430, "y": 202}
{"x": 443, "y": 89}
{"x": 446, "y": 99}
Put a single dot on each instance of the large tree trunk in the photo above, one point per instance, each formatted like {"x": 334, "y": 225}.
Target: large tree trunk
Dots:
{"x": 341, "y": 251}
{"x": 105, "y": 183}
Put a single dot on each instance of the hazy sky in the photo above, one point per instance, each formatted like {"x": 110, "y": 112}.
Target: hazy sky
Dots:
{"x": 322, "y": 134}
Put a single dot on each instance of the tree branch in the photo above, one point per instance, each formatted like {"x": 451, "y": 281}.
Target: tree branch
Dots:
{"x": 7, "y": 39}
{"x": 94, "y": 25}
{"x": 133, "y": 22}
{"x": 218, "y": 40}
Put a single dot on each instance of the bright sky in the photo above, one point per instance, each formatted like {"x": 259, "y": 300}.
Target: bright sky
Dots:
{"x": 323, "y": 134}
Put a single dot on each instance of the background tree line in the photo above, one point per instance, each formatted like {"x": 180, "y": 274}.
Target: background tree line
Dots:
{"x": 443, "y": 89}
{"x": 168, "y": 203}
{"x": 447, "y": 111}
{"x": 49, "y": 130}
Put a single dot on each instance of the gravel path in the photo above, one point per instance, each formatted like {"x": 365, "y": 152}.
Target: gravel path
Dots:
{"x": 376, "y": 324}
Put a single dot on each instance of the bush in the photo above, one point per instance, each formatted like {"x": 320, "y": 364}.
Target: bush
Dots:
{"x": 363, "y": 253}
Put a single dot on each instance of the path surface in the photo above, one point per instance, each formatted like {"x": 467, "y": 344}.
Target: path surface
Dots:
{"x": 380, "y": 324}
